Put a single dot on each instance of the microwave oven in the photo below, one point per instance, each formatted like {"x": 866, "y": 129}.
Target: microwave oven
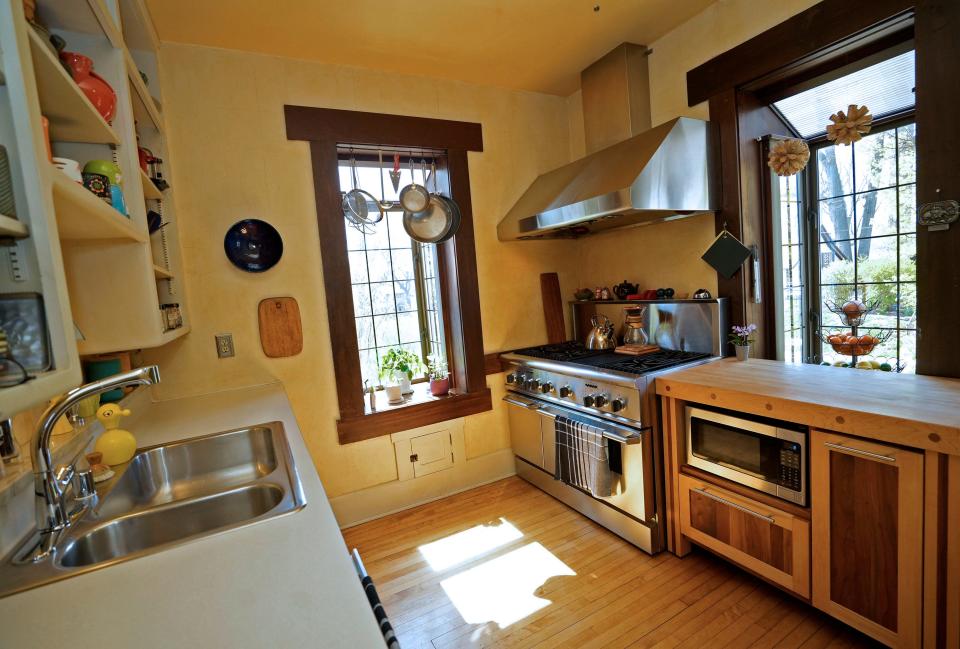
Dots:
{"x": 768, "y": 456}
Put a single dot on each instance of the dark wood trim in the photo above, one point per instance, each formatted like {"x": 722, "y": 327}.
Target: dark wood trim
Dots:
{"x": 325, "y": 129}
{"x": 863, "y": 55}
{"x": 355, "y": 429}
{"x": 938, "y": 140}
{"x": 829, "y": 28}
{"x": 463, "y": 287}
{"x": 492, "y": 364}
{"x": 737, "y": 488}
{"x": 356, "y": 127}
{"x": 336, "y": 278}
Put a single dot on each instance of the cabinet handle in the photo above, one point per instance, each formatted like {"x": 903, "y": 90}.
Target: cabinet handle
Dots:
{"x": 729, "y": 503}
{"x": 875, "y": 456}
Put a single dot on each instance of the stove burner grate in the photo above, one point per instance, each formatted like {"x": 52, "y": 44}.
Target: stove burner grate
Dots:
{"x": 567, "y": 351}
{"x": 651, "y": 362}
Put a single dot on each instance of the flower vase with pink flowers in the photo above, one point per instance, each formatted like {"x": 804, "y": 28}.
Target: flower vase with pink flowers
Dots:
{"x": 742, "y": 338}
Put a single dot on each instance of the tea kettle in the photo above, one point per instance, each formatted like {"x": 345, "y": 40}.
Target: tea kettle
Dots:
{"x": 601, "y": 336}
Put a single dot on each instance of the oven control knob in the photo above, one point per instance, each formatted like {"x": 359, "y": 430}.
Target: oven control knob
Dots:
{"x": 533, "y": 384}
{"x": 511, "y": 378}
{"x": 600, "y": 401}
{"x": 566, "y": 391}
{"x": 588, "y": 400}
{"x": 617, "y": 404}
{"x": 546, "y": 387}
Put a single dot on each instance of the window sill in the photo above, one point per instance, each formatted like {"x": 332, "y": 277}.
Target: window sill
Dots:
{"x": 419, "y": 409}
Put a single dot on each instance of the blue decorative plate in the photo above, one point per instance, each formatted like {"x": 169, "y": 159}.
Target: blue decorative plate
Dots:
{"x": 253, "y": 245}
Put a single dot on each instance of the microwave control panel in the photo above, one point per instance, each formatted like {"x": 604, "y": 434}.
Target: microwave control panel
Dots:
{"x": 791, "y": 467}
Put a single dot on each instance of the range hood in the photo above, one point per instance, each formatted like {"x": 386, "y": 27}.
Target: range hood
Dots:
{"x": 662, "y": 173}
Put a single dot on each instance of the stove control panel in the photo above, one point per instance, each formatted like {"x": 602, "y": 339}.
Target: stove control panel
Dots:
{"x": 595, "y": 397}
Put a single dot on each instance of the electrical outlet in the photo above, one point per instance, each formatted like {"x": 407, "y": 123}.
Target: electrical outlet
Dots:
{"x": 224, "y": 345}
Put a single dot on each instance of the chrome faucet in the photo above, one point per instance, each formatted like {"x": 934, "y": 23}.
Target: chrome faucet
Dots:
{"x": 53, "y": 483}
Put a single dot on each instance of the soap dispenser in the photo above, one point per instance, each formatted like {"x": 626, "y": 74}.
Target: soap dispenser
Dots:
{"x": 116, "y": 444}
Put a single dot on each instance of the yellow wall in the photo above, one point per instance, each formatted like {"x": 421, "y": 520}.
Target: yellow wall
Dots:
{"x": 231, "y": 160}
{"x": 669, "y": 254}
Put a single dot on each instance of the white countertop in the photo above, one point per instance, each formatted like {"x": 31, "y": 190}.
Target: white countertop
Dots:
{"x": 284, "y": 582}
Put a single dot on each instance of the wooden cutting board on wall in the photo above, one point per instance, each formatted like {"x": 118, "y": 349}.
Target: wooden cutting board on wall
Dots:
{"x": 280, "y": 331}
{"x": 553, "y": 308}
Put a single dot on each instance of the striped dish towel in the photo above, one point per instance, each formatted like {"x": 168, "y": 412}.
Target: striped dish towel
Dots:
{"x": 582, "y": 459}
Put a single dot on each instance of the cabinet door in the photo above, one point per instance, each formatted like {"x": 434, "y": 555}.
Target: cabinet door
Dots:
{"x": 525, "y": 435}
{"x": 771, "y": 543}
{"x": 867, "y": 535}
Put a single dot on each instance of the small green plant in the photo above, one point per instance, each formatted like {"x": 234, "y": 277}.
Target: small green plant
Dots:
{"x": 398, "y": 362}
{"x": 437, "y": 367}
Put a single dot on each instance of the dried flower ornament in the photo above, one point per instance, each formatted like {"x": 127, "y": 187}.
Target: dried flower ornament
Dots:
{"x": 788, "y": 157}
{"x": 849, "y": 127}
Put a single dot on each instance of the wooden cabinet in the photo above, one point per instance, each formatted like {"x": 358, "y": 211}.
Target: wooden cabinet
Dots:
{"x": 867, "y": 504}
{"x": 763, "y": 539}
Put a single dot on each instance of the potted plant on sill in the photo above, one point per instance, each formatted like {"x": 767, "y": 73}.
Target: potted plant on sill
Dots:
{"x": 741, "y": 337}
{"x": 398, "y": 367}
{"x": 439, "y": 375}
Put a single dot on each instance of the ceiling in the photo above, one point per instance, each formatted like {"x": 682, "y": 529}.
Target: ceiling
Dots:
{"x": 538, "y": 45}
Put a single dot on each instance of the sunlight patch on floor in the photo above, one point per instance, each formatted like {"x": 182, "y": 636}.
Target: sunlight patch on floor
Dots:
{"x": 469, "y": 544}
{"x": 502, "y": 590}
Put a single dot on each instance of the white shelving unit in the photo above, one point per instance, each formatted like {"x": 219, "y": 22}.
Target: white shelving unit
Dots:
{"x": 100, "y": 271}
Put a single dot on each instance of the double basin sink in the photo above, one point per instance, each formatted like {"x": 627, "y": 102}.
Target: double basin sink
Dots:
{"x": 171, "y": 494}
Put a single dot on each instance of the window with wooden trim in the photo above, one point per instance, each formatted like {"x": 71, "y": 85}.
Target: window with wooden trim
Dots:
{"x": 448, "y": 320}
{"x": 396, "y": 288}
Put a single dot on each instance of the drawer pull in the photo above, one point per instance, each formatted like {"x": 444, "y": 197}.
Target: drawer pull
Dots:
{"x": 875, "y": 456}
{"x": 728, "y": 503}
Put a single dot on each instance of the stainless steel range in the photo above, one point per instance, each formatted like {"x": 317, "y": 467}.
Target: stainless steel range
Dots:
{"x": 585, "y": 426}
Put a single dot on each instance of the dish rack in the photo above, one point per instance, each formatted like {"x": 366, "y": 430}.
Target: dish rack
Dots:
{"x": 853, "y": 314}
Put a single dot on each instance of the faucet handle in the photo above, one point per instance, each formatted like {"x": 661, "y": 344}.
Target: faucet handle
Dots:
{"x": 82, "y": 480}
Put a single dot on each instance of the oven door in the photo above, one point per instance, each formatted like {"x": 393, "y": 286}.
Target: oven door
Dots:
{"x": 631, "y": 447}
{"x": 751, "y": 453}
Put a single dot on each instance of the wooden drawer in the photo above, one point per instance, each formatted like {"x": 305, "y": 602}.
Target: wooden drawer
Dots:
{"x": 767, "y": 541}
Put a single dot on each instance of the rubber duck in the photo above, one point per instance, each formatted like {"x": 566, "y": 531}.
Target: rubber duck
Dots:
{"x": 116, "y": 444}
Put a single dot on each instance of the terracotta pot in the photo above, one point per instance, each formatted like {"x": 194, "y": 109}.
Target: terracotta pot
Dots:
{"x": 98, "y": 91}
{"x": 440, "y": 387}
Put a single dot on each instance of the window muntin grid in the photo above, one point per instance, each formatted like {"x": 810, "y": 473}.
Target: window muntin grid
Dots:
{"x": 396, "y": 296}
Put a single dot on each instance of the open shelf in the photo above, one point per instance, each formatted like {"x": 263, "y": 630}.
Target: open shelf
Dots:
{"x": 145, "y": 110}
{"x": 173, "y": 334}
{"x": 11, "y": 227}
{"x": 161, "y": 273}
{"x": 84, "y": 16}
{"x": 138, "y": 32}
{"x": 150, "y": 190}
{"x": 72, "y": 117}
{"x": 81, "y": 215}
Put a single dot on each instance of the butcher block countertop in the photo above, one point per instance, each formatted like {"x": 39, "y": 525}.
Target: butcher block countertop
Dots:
{"x": 906, "y": 409}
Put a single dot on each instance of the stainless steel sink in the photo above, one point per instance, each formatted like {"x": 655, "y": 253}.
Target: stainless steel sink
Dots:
{"x": 154, "y": 528}
{"x": 170, "y": 494}
{"x": 163, "y": 474}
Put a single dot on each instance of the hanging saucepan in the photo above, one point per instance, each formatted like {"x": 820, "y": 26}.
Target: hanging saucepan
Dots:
{"x": 360, "y": 206}
{"x": 436, "y": 224}
{"x": 414, "y": 198}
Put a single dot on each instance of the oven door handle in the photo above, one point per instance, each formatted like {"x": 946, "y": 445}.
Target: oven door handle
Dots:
{"x": 529, "y": 405}
{"x": 605, "y": 428}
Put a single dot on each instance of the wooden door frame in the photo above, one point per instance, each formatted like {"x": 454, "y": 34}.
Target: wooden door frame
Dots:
{"x": 829, "y": 36}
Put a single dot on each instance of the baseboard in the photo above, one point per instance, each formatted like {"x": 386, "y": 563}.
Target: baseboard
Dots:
{"x": 376, "y": 502}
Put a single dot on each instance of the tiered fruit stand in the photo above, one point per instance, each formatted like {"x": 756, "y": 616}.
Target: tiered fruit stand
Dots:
{"x": 853, "y": 314}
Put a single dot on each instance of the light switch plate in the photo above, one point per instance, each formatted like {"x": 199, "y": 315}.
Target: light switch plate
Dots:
{"x": 224, "y": 345}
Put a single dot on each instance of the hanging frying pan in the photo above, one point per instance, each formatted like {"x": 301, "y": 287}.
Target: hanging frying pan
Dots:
{"x": 438, "y": 222}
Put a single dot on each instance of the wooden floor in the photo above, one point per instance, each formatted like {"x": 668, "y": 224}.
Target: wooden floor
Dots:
{"x": 617, "y": 596}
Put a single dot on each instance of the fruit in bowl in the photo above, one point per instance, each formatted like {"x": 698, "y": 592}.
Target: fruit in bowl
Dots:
{"x": 853, "y": 312}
